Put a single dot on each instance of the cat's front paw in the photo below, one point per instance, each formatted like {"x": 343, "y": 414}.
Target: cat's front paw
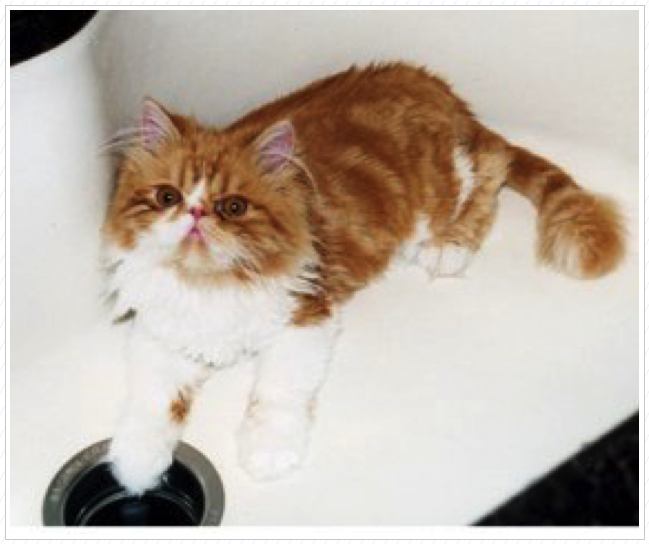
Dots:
{"x": 138, "y": 463}
{"x": 272, "y": 443}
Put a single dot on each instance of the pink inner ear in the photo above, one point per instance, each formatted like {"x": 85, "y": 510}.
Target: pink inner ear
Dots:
{"x": 277, "y": 146}
{"x": 156, "y": 126}
{"x": 148, "y": 131}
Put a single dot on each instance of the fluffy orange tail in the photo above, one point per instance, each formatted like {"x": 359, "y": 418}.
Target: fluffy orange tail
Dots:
{"x": 579, "y": 233}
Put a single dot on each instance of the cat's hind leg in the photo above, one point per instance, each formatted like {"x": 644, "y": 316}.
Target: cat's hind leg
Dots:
{"x": 451, "y": 248}
{"x": 463, "y": 238}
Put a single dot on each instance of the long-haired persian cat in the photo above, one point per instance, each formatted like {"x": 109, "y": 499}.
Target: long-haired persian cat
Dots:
{"x": 242, "y": 241}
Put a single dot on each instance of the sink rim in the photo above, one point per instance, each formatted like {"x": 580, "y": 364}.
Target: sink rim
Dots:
{"x": 79, "y": 465}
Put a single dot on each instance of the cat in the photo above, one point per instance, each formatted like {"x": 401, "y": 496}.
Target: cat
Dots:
{"x": 245, "y": 242}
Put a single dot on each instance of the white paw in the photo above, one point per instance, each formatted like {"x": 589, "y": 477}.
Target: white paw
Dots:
{"x": 428, "y": 258}
{"x": 138, "y": 462}
{"x": 448, "y": 260}
{"x": 272, "y": 443}
{"x": 453, "y": 260}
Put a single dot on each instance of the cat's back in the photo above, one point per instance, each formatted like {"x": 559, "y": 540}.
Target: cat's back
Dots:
{"x": 385, "y": 91}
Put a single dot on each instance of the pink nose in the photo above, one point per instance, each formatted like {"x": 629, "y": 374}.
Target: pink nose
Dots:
{"x": 197, "y": 212}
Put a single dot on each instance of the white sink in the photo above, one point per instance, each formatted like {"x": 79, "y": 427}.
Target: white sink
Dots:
{"x": 444, "y": 398}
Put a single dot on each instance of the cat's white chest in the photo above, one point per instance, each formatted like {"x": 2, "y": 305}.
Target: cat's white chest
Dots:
{"x": 214, "y": 326}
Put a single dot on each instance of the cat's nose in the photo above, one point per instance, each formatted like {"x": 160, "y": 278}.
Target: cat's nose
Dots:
{"x": 197, "y": 212}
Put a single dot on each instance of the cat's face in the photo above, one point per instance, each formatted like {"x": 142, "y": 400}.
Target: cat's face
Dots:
{"x": 189, "y": 199}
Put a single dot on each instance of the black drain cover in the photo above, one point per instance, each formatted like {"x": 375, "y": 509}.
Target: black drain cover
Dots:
{"x": 85, "y": 493}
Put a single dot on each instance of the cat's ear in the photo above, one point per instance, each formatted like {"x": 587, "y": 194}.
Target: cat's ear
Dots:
{"x": 276, "y": 148}
{"x": 158, "y": 126}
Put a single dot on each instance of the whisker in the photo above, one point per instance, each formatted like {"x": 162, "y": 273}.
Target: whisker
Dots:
{"x": 124, "y": 133}
{"x": 129, "y": 132}
{"x": 123, "y": 137}
{"x": 120, "y": 144}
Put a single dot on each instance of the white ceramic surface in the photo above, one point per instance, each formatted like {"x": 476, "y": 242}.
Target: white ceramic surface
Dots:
{"x": 59, "y": 186}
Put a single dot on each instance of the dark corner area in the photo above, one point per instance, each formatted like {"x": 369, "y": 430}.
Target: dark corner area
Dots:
{"x": 36, "y": 31}
{"x": 597, "y": 487}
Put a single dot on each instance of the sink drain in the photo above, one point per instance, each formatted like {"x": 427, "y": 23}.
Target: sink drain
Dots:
{"x": 85, "y": 493}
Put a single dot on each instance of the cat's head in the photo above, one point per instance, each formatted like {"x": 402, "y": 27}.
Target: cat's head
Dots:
{"x": 208, "y": 205}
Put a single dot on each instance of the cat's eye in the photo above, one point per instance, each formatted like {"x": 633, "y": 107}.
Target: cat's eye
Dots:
{"x": 231, "y": 206}
{"x": 167, "y": 196}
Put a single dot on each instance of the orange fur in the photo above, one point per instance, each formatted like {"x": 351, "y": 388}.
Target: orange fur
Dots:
{"x": 580, "y": 234}
{"x": 374, "y": 151}
{"x": 179, "y": 408}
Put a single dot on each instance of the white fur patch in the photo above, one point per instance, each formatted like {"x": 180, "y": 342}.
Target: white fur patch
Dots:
{"x": 453, "y": 260}
{"x": 464, "y": 171}
{"x": 566, "y": 256}
{"x": 197, "y": 194}
{"x": 273, "y": 442}
{"x": 213, "y": 326}
{"x": 418, "y": 240}
{"x": 274, "y": 434}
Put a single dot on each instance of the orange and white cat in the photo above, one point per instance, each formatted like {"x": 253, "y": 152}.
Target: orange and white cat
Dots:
{"x": 245, "y": 240}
